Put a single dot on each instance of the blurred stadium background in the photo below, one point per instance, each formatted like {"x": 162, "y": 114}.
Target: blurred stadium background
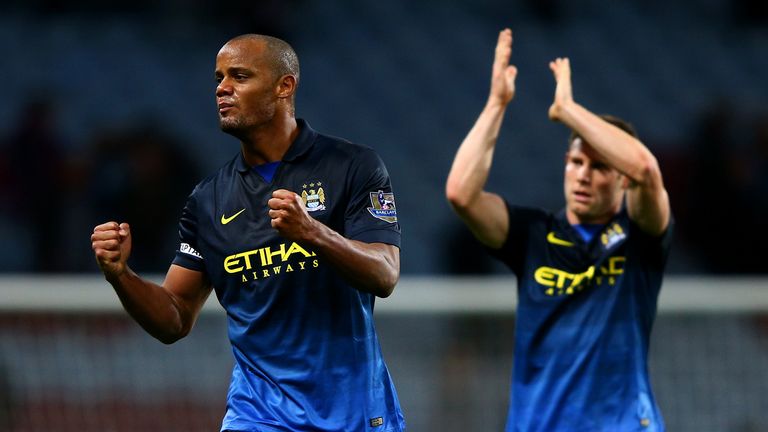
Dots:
{"x": 108, "y": 112}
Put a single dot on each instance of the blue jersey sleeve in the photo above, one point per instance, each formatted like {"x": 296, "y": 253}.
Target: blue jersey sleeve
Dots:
{"x": 513, "y": 251}
{"x": 187, "y": 255}
{"x": 371, "y": 213}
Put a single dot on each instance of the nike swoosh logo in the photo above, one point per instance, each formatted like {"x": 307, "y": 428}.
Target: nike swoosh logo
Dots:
{"x": 560, "y": 242}
{"x": 225, "y": 220}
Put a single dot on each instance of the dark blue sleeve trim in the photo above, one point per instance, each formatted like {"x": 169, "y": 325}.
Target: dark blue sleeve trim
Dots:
{"x": 378, "y": 236}
{"x": 188, "y": 262}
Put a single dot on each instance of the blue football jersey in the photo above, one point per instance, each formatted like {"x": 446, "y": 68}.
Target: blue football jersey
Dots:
{"x": 583, "y": 324}
{"x": 307, "y": 357}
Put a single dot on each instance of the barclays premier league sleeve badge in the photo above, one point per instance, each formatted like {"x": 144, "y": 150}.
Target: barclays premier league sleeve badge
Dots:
{"x": 383, "y": 206}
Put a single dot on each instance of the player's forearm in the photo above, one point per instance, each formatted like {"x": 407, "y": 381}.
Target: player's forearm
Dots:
{"x": 372, "y": 268}
{"x": 151, "y": 306}
{"x": 472, "y": 164}
{"x": 620, "y": 149}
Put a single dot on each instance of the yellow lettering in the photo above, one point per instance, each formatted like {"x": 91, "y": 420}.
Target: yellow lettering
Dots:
{"x": 581, "y": 276}
{"x": 234, "y": 260}
{"x": 552, "y": 277}
{"x": 244, "y": 279}
{"x": 294, "y": 249}
{"x": 268, "y": 257}
{"x": 544, "y": 276}
{"x": 231, "y": 261}
{"x": 616, "y": 265}
{"x": 268, "y": 254}
{"x": 247, "y": 256}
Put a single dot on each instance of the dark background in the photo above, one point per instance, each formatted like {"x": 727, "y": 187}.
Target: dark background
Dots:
{"x": 108, "y": 113}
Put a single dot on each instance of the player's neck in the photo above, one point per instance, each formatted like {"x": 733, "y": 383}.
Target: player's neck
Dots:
{"x": 270, "y": 142}
{"x": 575, "y": 219}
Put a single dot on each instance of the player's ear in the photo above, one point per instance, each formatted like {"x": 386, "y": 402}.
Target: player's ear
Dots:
{"x": 286, "y": 86}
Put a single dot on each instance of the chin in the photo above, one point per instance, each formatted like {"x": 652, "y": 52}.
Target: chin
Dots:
{"x": 585, "y": 214}
{"x": 230, "y": 126}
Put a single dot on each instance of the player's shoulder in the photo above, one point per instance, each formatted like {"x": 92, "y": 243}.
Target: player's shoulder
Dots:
{"x": 224, "y": 174}
{"x": 343, "y": 148}
{"x": 529, "y": 213}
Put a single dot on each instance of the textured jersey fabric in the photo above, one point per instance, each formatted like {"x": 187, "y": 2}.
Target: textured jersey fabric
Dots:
{"x": 583, "y": 324}
{"x": 307, "y": 357}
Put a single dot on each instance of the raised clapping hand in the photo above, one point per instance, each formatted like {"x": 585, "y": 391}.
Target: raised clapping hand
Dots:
{"x": 290, "y": 217}
{"x": 503, "y": 74}
{"x": 561, "y": 69}
{"x": 111, "y": 243}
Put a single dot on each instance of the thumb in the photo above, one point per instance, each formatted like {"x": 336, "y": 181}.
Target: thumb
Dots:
{"x": 125, "y": 231}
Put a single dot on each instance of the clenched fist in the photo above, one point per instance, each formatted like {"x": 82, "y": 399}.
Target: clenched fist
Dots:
{"x": 290, "y": 217}
{"x": 111, "y": 244}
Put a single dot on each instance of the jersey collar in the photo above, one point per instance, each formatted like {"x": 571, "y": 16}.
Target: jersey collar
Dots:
{"x": 303, "y": 142}
{"x": 565, "y": 225}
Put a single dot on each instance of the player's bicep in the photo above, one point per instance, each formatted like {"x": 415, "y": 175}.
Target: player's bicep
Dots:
{"x": 648, "y": 206}
{"x": 188, "y": 288}
{"x": 488, "y": 219}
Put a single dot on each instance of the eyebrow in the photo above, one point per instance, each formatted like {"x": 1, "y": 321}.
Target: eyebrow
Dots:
{"x": 234, "y": 69}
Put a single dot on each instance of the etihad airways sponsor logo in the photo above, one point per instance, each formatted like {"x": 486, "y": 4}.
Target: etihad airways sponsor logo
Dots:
{"x": 559, "y": 282}
{"x": 268, "y": 261}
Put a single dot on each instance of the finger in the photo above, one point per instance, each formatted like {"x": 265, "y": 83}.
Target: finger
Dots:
{"x": 275, "y": 214}
{"x": 107, "y": 256}
{"x": 511, "y": 73}
{"x": 282, "y": 193}
{"x": 104, "y": 235}
{"x": 108, "y": 226}
{"x": 503, "y": 49}
{"x": 278, "y": 203}
{"x": 112, "y": 244}
{"x": 125, "y": 230}
{"x": 298, "y": 200}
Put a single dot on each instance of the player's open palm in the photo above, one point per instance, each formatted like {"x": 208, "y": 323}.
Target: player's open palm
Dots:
{"x": 289, "y": 216}
{"x": 561, "y": 69}
{"x": 504, "y": 74}
{"x": 111, "y": 244}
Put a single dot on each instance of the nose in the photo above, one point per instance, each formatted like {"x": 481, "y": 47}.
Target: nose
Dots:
{"x": 584, "y": 173}
{"x": 224, "y": 88}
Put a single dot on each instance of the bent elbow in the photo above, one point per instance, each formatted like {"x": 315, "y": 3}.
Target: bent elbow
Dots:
{"x": 171, "y": 336}
{"x": 168, "y": 339}
{"x": 648, "y": 172}
{"x": 384, "y": 291}
{"x": 387, "y": 285}
{"x": 456, "y": 198}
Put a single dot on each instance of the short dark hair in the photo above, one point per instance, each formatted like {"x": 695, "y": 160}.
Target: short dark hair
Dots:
{"x": 281, "y": 56}
{"x": 619, "y": 123}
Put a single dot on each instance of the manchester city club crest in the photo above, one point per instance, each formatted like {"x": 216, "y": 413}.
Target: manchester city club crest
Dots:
{"x": 383, "y": 206}
{"x": 313, "y": 196}
{"x": 612, "y": 235}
